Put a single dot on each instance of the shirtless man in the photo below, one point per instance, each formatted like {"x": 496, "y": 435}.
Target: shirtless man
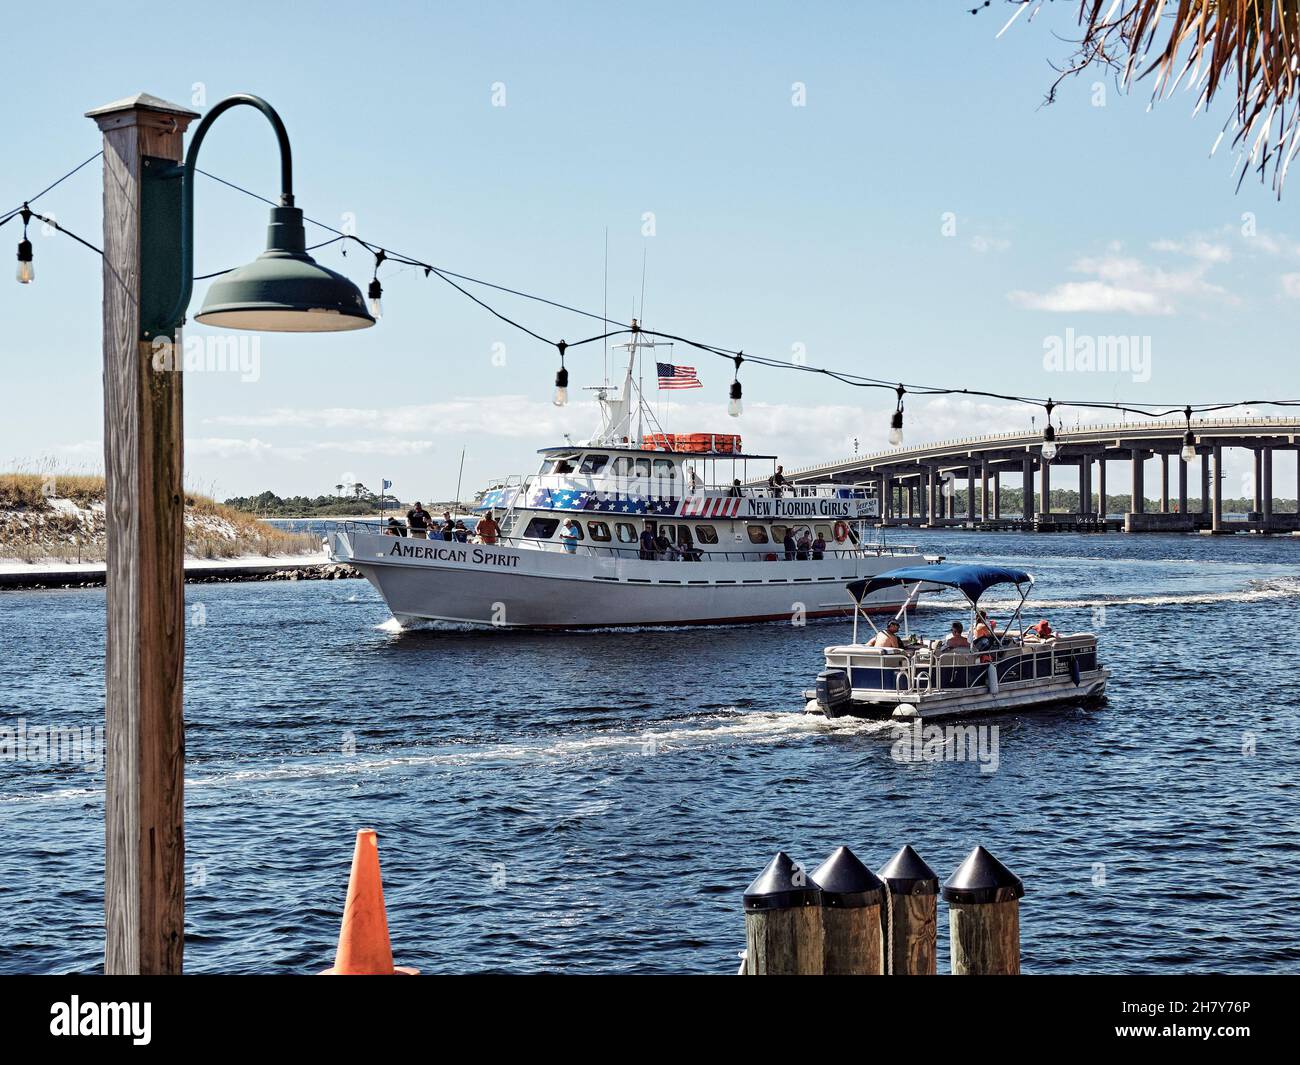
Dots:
{"x": 888, "y": 638}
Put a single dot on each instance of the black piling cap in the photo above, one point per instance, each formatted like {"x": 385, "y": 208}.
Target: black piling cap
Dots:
{"x": 846, "y": 883}
{"x": 982, "y": 878}
{"x": 907, "y": 874}
{"x": 782, "y": 885}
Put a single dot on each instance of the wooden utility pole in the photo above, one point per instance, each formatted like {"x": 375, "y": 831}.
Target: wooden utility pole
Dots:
{"x": 144, "y": 844}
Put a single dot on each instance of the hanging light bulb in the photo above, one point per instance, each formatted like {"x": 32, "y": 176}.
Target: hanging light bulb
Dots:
{"x": 375, "y": 295}
{"x": 896, "y": 422}
{"x": 735, "y": 407}
{"x": 1049, "y": 436}
{"x": 561, "y": 379}
{"x": 1189, "y": 438}
{"x": 26, "y": 270}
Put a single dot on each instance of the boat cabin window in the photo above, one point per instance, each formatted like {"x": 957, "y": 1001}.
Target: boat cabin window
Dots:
{"x": 542, "y": 528}
{"x": 778, "y": 533}
{"x": 578, "y": 526}
{"x": 626, "y": 533}
{"x": 599, "y": 531}
{"x": 593, "y": 464}
{"x": 824, "y": 531}
{"x": 757, "y": 534}
{"x": 626, "y": 467}
{"x": 706, "y": 534}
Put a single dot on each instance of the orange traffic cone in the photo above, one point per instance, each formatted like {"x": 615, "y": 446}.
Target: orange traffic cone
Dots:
{"x": 364, "y": 948}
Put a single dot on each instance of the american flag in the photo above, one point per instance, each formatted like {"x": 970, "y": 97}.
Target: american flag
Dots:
{"x": 671, "y": 376}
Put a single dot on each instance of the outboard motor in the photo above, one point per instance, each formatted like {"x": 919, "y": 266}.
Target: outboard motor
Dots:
{"x": 834, "y": 693}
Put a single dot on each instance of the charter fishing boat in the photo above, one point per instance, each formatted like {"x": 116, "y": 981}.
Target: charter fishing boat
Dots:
{"x": 1003, "y": 669}
{"x": 571, "y": 552}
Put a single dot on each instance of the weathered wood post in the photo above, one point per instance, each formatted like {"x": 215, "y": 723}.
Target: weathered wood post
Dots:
{"x": 911, "y": 908}
{"x": 984, "y": 917}
{"x": 783, "y": 926}
{"x": 144, "y": 848}
{"x": 851, "y": 897}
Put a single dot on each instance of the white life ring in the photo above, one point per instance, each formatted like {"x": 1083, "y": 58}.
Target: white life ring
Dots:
{"x": 841, "y": 531}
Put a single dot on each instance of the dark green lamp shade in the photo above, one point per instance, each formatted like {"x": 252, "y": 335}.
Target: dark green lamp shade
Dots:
{"x": 284, "y": 290}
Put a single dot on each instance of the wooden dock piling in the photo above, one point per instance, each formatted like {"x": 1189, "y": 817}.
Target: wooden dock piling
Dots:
{"x": 984, "y": 917}
{"x": 851, "y": 897}
{"x": 783, "y": 924}
{"x": 913, "y": 904}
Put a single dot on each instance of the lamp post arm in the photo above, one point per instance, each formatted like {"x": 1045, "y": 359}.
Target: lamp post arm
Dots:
{"x": 186, "y": 175}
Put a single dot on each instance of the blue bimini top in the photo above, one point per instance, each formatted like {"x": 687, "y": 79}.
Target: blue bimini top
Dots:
{"x": 970, "y": 579}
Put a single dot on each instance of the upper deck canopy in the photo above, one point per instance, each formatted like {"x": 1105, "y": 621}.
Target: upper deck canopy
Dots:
{"x": 971, "y": 580}
{"x": 615, "y": 449}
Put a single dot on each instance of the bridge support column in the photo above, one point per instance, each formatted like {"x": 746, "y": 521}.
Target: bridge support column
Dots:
{"x": 1045, "y": 486}
{"x": 1137, "y": 504}
{"x": 925, "y": 489}
{"x": 1216, "y": 515}
{"x": 1206, "y": 507}
{"x": 1027, "y": 478}
{"x": 984, "y": 490}
{"x": 1164, "y": 483}
{"x": 997, "y": 496}
{"x": 1085, "y": 486}
{"x": 1259, "y": 481}
{"x": 1267, "y": 508}
{"x": 1102, "y": 509}
{"x": 970, "y": 493}
{"x": 1182, "y": 485}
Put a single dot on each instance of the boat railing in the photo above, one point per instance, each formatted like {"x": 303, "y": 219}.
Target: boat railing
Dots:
{"x": 693, "y": 553}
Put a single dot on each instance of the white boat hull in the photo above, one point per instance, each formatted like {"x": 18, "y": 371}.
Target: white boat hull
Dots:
{"x": 520, "y": 588}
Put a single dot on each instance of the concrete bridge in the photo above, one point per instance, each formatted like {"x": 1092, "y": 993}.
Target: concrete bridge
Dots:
{"x": 919, "y": 485}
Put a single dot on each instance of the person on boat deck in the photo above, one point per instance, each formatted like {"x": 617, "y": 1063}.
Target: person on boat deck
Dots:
{"x": 647, "y": 543}
{"x": 693, "y": 478}
{"x": 735, "y": 493}
{"x": 819, "y": 547}
{"x": 417, "y": 518}
{"x": 957, "y": 641}
{"x": 687, "y": 549}
{"x": 888, "y": 638}
{"x": 804, "y": 546}
{"x": 460, "y": 534}
{"x": 1041, "y": 631}
{"x": 664, "y": 550}
{"x": 984, "y": 627}
{"x": 789, "y": 545}
{"x": 776, "y": 483}
{"x": 488, "y": 530}
{"x": 394, "y": 528}
{"x": 448, "y": 526}
{"x": 569, "y": 536}
{"x": 563, "y": 466}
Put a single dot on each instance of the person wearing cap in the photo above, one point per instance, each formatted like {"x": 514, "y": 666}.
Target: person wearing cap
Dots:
{"x": 888, "y": 638}
{"x": 1041, "y": 631}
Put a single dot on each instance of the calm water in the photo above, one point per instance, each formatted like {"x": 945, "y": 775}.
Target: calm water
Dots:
{"x": 597, "y": 802}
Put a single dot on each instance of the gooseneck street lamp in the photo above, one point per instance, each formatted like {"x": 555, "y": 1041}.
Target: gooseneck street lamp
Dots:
{"x": 284, "y": 289}
{"x": 148, "y": 281}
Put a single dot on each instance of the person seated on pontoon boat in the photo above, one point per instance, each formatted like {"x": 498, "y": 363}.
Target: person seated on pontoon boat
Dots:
{"x": 1041, "y": 631}
{"x": 888, "y": 638}
{"x": 957, "y": 641}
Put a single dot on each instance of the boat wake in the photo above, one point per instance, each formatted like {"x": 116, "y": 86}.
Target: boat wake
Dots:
{"x": 1256, "y": 591}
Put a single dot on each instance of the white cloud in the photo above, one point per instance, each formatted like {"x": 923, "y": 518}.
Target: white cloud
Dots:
{"x": 1197, "y": 248}
{"x": 1291, "y": 285}
{"x": 983, "y": 244}
{"x": 1127, "y": 285}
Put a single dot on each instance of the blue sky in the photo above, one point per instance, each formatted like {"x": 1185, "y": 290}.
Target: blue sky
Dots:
{"x": 920, "y": 217}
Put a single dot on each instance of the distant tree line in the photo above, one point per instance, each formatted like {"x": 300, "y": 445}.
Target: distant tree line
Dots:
{"x": 360, "y": 500}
